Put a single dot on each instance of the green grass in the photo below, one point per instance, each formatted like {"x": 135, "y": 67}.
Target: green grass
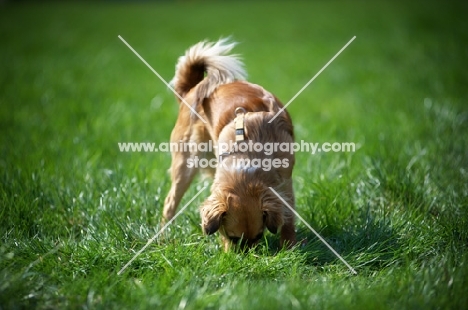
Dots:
{"x": 74, "y": 210}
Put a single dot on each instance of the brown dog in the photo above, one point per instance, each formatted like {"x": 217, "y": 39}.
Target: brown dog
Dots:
{"x": 241, "y": 204}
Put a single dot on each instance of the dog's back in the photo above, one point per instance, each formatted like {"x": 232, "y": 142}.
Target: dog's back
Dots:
{"x": 212, "y": 81}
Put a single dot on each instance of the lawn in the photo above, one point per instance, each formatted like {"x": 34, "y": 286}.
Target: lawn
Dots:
{"x": 74, "y": 209}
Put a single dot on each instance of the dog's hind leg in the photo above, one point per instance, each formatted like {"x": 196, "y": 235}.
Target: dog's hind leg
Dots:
{"x": 181, "y": 172}
{"x": 181, "y": 177}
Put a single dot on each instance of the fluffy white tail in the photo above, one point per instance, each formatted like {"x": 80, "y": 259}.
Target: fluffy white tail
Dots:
{"x": 205, "y": 66}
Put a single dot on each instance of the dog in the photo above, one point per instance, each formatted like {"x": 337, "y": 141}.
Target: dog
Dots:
{"x": 217, "y": 104}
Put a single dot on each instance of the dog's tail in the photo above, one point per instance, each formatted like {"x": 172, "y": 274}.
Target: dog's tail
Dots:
{"x": 206, "y": 65}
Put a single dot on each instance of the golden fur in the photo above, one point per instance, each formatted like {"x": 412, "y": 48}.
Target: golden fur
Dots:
{"x": 241, "y": 205}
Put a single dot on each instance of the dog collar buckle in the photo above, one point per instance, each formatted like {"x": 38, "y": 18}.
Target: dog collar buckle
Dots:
{"x": 239, "y": 123}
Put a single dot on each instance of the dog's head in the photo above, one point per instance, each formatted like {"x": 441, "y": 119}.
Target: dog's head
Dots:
{"x": 241, "y": 212}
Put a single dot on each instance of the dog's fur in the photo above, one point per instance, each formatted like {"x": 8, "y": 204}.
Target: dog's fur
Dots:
{"x": 240, "y": 205}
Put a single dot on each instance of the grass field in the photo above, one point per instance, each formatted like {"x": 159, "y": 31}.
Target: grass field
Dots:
{"x": 74, "y": 210}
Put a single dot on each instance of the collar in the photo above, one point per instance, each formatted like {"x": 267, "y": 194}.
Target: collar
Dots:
{"x": 239, "y": 129}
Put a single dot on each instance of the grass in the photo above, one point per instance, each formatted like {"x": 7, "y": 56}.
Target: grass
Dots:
{"x": 74, "y": 210}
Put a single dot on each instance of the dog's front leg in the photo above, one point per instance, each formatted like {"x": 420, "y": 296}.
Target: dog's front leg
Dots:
{"x": 288, "y": 230}
{"x": 288, "y": 234}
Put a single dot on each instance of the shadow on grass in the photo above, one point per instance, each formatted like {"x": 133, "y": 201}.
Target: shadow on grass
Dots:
{"x": 372, "y": 243}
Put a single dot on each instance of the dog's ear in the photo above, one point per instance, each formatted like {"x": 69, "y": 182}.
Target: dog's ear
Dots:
{"x": 211, "y": 224}
{"x": 273, "y": 221}
{"x": 212, "y": 212}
